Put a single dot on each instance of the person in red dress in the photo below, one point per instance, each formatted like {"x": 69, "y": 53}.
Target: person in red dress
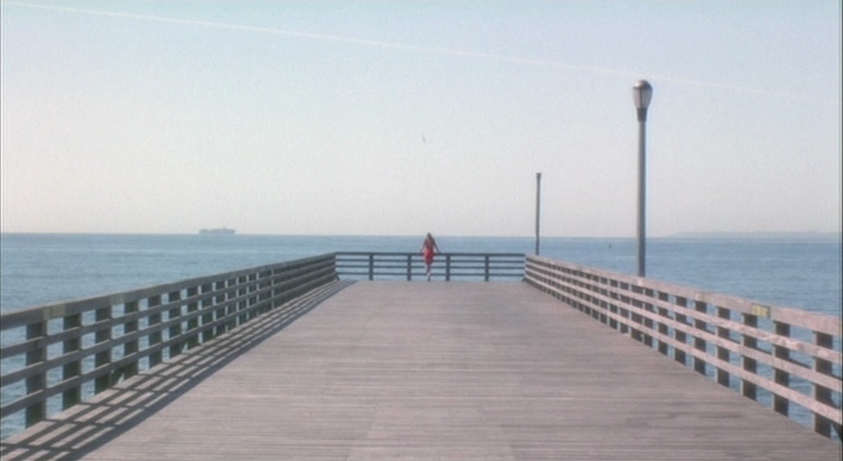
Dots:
{"x": 428, "y": 249}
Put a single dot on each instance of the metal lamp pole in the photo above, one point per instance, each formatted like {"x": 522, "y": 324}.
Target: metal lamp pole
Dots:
{"x": 538, "y": 209}
{"x": 642, "y": 93}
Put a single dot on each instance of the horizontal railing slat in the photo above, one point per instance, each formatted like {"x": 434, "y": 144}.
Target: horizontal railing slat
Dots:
{"x": 800, "y": 344}
{"x": 772, "y": 338}
{"x": 451, "y": 266}
{"x": 801, "y": 370}
{"x": 806, "y": 319}
{"x": 59, "y": 310}
{"x": 147, "y": 324}
{"x": 709, "y": 331}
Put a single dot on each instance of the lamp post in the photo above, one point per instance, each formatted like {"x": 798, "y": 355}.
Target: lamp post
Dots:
{"x": 642, "y": 93}
{"x": 538, "y": 209}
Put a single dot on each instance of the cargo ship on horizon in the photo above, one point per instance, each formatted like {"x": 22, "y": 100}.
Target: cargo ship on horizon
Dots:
{"x": 222, "y": 230}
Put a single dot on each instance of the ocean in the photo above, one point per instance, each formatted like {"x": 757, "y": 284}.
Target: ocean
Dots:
{"x": 37, "y": 269}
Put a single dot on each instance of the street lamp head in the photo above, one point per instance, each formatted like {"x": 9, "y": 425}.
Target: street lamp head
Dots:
{"x": 642, "y": 93}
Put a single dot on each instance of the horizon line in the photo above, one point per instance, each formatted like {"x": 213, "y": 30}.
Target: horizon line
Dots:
{"x": 682, "y": 234}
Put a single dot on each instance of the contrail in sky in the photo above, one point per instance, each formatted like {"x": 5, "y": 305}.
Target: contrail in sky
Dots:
{"x": 417, "y": 48}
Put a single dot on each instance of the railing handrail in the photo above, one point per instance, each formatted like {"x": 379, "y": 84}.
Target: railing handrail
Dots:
{"x": 49, "y": 311}
{"x": 699, "y": 327}
{"x": 820, "y": 322}
{"x": 443, "y": 253}
{"x": 93, "y": 343}
{"x": 118, "y": 334}
{"x": 447, "y": 266}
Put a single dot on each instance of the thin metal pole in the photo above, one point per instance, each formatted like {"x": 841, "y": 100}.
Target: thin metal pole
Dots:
{"x": 538, "y": 210}
{"x": 642, "y": 172}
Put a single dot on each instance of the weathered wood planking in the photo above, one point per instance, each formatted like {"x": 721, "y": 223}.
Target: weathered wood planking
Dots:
{"x": 719, "y": 331}
{"x": 397, "y": 370}
{"x": 166, "y": 319}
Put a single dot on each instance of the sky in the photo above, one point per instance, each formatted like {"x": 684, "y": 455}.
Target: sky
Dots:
{"x": 401, "y": 118}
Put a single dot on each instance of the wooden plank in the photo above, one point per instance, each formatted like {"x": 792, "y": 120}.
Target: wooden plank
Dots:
{"x": 404, "y": 370}
{"x": 702, "y": 334}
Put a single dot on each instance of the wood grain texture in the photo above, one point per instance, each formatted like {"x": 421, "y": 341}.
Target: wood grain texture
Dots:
{"x": 441, "y": 371}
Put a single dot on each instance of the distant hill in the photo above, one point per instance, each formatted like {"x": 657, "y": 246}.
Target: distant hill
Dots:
{"x": 760, "y": 235}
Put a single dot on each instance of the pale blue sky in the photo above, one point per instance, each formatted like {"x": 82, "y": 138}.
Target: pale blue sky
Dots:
{"x": 408, "y": 117}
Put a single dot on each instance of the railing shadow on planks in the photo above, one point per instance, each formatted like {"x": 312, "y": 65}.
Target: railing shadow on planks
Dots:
{"x": 789, "y": 359}
{"x": 58, "y": 355}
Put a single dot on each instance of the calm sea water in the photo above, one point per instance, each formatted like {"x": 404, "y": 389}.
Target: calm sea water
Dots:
{"x": 38, "y": 269}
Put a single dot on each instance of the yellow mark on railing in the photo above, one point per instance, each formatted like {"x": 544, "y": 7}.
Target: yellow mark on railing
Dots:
{"x": 761, "y": 310}
{"x": 118, "y": 298}
{"x": 55, "y": 312}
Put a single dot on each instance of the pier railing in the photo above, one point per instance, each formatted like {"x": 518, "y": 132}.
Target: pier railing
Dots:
{"x": 446, "y": 266}
{"x": 787, "y": 358}
{"x": 58, "y": 355}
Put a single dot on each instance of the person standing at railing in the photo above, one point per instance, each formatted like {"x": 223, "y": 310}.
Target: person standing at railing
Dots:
{"x": 428, "y": 249}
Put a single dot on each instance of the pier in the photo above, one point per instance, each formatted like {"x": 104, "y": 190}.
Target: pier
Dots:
{"x": 353, "y": 356}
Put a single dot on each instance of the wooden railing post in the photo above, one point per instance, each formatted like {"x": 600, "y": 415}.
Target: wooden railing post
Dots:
{"x": 486, "y": 266}
{"x": 175, "y": 330}
{"x": 73, "y": 369}
{"x": 102, "y": 359}
{"x": 681, "y": 337}
{"x": 220, "y": 301}
{"x": 782, "y": 377}
{"x": 265, "y": 296}
{"x": 131, "y": 347}
{"x": 38, "y": 410}
{"x": 232, "y": 292}
{"x": 749, "y": 389}
{"x": 599, "y": 301}
{"x": 207, "y": 312}
{"x": 722, "y": 352}
{"x": 242, "y": 290}
{"x": 254, "y": 284}
{"x": 192, "y": 324}
{"x": 646, "y": 321}
{"x": 626, "y": 314}
{"x": 663, "y": 346}
{"x": 636, "y": 318}
{"x": 409, "y": 267}
{"x": 593, "y": 287}
{"x": 613, "y": 306}
{"x": 822, "y": 394}
{"x": 699, "y": 343}
{"x": 156, "y": 336}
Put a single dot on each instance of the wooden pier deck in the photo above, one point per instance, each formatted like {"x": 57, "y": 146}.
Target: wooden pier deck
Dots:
{"x": 422, "y": 371}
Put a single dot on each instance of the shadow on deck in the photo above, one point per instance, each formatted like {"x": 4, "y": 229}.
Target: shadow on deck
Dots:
{"x": 403, "y": 370}
{"x": 89, "y": 425}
